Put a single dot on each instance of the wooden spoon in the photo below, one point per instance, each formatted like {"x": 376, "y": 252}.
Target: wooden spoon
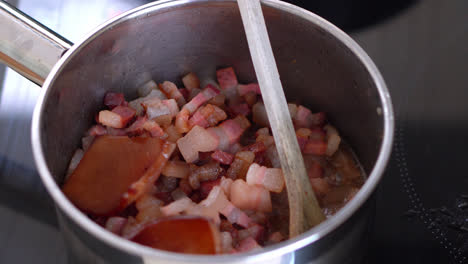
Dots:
{"x": 304, "y": 210}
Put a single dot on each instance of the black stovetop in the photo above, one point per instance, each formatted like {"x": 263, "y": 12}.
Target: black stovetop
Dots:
{"x": 421, "y": 48}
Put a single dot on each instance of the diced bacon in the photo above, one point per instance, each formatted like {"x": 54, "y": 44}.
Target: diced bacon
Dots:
{"x": 225, "y": 184}
{"x": 146, "y": 88}
{"x": 166, "y": 197}
{"x": 136, "y": 104}
{"x": 236, "y": 216}
{"x": 333, "y": 140}
{"x": 226, "y": 242}
{"x": 275, "y": 237}
{"x": 314, "y": 170}
{"x": 273, "y": 156}
{"x": 218, "y": 100}
{"x": 302, "y": 135}
{"x": 86, "y": 142}
{"x": 259, "y": 115}
{"x": 185, "y": 93}
{"x": 244, "y": 89}
{"x": 136, "y": 128}
{"x": 222, "y": 157}
{"x": 75, "y": 160}
{"x": 115, "y": 224}
{"x": 250, "y": 197}
{"x": 240, "y": 165}
{"x": 177, "y": 207}
{"x": 172, "y": 134}
{"x": 227, "y": 78}
{"x": 197, "y": 140}
{"x": 317, "y": 133}
{"x": 248, "y": 244}
{"x": 182, "y": 121}
{"x": 178, "y": 194}
{"x": 207, "y": 186}
{"x": 207, "y": 116}
{"x": 216, "y": 199}
{"x": 257, "y": 217}
{"x": 206, "y": 172}
{"x": 193, "y": 93}
{"x": 234, "y": 128}
{"x": 257, "y": 147}
{"x": 97, "y": 130}
{"x": 255, "y": 231}
{"x": 166, "y": 184}
{"x": 345, "y": 164}
{"x": 208, "y": 92}
{"x": 191, "y": 81}
{"x": 320, "y": 186}
{"x": 171, "y": 91}
{"x": 117, "y": 119}
{"x": 315, "y": 147}
{"x": 126, "y": 114}
{"x": 240, "y": 109}
{"x": 176, "y": 168}
{"x": 270, "y": 178}
{"x": 304, "y": 118}
{"x": 112, "y": 100}
{"x": 184, "y": 185}
{"x": 250, "y": 98}
{"x": 151, "y": 175}
{"x": 149, "y": 208}
{"x": 162, "y": 111}
{"x": 154, "y": 129}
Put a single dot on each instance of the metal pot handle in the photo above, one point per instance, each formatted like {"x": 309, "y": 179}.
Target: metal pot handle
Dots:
{"x": 27, "y": 46}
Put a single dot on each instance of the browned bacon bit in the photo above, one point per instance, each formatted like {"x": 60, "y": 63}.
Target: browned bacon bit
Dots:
{"x": 184, "y": 185}
{"x": 227, "y": 78}
{"x": 171, "y": 91}
{"x": 164, "y": 196}
{"x": 256, "y": 148}
{"x": 315, "y": 147}
{"x": 240, "y": 109}
{"x": 140, "y": 187}
{"x": 112, "y": 100}
{"x": 240, "y": 165}
{"x": 222, "y": 157}
{"x": 185, "y": 93}
{"x": 250, "y": 98}
{"x": 207, "y": 116}
{"x": 243, "y": 89}
{"x": 207, "y": 186}
{"x": 206, "y": 172}
{"x": 182, "y": 121}
{"x": 218, "y": 100}
{"x": 136, "y": 128}
{"x": 304, "y": 118}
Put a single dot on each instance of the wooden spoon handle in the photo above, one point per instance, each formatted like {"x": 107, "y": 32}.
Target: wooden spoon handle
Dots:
{"x": 304, "y": 209}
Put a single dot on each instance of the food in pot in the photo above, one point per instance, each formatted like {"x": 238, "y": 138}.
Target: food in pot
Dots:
{"x": 195, "y": 169}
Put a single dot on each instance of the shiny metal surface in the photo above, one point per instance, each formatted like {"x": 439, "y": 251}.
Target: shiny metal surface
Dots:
{"x": 424, "y": 75}
{"x": 27, "y": 46}
{"x": 118, "y": 57}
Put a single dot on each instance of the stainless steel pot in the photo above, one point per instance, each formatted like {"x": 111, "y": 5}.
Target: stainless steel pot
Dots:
{"x": 320, "y": 66}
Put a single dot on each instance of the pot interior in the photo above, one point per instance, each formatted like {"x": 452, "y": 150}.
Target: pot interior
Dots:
{"x": 166, "y": 41}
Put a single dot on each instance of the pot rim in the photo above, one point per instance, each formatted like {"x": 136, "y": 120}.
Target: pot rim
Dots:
{"x": 274, "y": 251}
